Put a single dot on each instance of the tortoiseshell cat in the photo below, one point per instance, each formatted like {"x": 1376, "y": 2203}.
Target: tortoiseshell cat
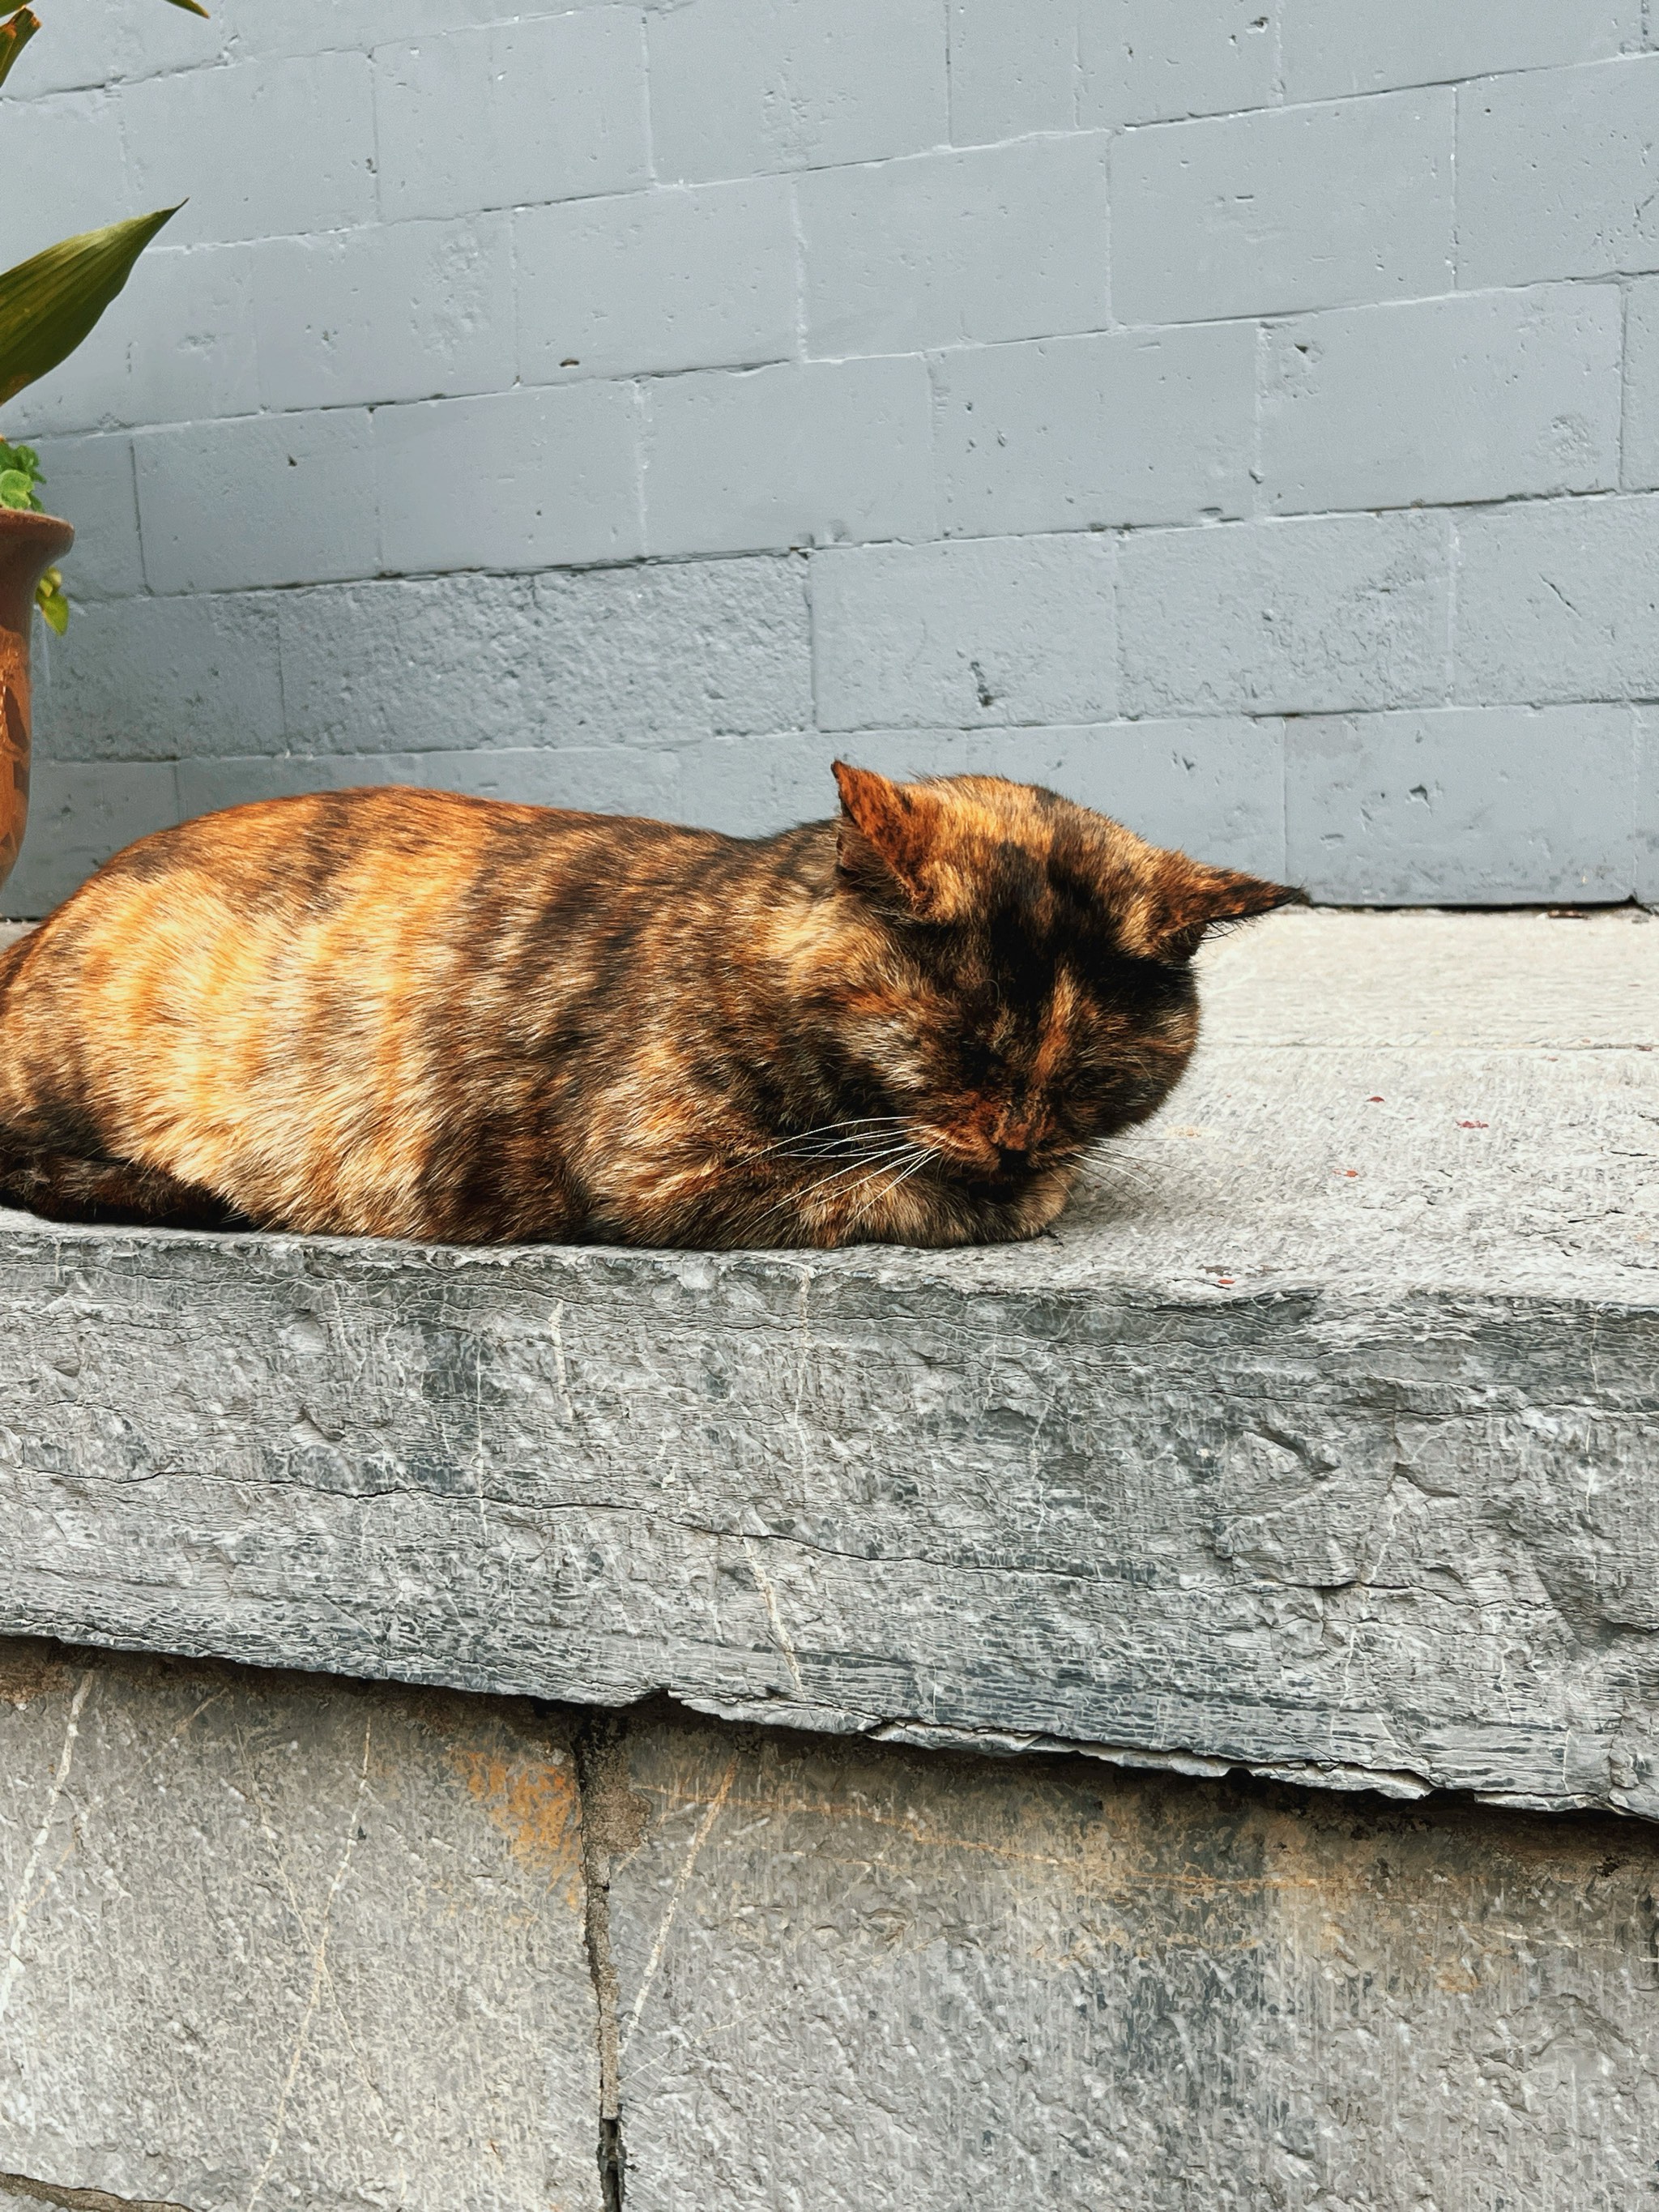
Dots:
{"x": 400, "y": 1013}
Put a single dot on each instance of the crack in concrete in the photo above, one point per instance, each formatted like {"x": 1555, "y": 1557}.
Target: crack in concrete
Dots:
{"x": 613, "y": 1826}
{"x": 18, "y": 2186}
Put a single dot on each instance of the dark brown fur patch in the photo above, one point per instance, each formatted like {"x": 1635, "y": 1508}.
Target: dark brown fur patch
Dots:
{"x": 399, "y": 1013}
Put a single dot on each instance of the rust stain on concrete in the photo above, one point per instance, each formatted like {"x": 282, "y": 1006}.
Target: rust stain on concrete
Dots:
{"x": 28, "y": 1671}
{"x": 534, "y": 1802}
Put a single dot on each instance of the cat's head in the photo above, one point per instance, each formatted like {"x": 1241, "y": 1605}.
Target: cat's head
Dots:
{"x": 1016, "y": 976}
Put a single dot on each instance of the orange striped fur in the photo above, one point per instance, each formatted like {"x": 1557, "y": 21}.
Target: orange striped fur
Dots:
{"x": 401, "y": 1013}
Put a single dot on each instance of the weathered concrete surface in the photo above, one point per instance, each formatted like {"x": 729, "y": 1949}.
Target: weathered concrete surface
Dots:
{"x": 1321, "y": 1439}
{"x": 854, "y": 1978}
{"x": 273, "y": 1942}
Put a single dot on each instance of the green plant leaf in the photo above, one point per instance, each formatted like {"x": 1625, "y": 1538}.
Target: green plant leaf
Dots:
{"x": 20, "y": 474}
{"x": 191, "y": 7}
{"x": 14, "y": 34}
{"x": 49, "y": 597}
{"x": 48, "y": 305}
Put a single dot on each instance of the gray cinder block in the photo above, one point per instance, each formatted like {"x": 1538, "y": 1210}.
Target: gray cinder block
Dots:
{"x": 742, "y": 87}
{"x": 196, "y": 673}
{"x": 1553, "y": 170}
{"x": 89, "y": 481}
{"x": 1646, "y": 837}
{"x": 1145, "y": 61}
{"x": 257, "y": 149}
{"x": 99, "y": 44}
{"x": 1329, "y": 52}
{"x": 1286, "y": 208}
{"x": 190, "y": 334}
{"x": 1215, "y": 787}
{"x": 266, "y": 499}
{"x": 1558, "y": 601}
{"x": 73, "y": 137}
{"x": 631, "y": 654}
{"x": 1464, "y": 806}
{"x": 1641, "y": 439}
{"x": 401, "y": 311}
{"x": 793, "y": 455}
{"x": 956, "y": 248}
{"x": 1286, "y": 617}
{"x": 80, "y": 812}
{"x": 1440, "y": 402}
{"x": 1089, "y": 433}
{"x": 1013, "y": 68}
{"x": 607, "y": 779}
{"x": 509, "y": 480}
{"x": 508, "y": 115}
{"x": 674, "y": 207}
{"x": 989, "y": 629}
{"x": 700, "y": 277}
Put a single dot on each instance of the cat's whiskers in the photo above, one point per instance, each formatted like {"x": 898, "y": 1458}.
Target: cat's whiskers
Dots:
{"x": 860, "y": 1128}
{"x": 885, "y": 1177}
{"x": 924, "y": 1155}
{"x": 876, "y": 1164}
{"x": 844, "y": 1146}
{"x": 1103, "y": 1163}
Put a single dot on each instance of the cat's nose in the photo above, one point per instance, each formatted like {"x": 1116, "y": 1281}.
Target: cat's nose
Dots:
{"x": 1015, "y": 1136}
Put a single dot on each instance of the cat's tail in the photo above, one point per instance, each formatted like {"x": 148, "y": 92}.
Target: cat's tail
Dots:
{"x": 61, "y": 1187}
{"x": 68, "y": 1187}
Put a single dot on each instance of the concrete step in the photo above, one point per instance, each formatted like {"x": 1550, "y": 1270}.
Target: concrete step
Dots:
{"x": 1320, "y": 1439}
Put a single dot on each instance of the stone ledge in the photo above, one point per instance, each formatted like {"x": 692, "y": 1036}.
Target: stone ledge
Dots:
{"x": 1320, "y": 1441}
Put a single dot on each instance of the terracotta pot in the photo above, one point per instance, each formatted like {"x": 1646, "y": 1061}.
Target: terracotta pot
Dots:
{"x": 30, "y": 546}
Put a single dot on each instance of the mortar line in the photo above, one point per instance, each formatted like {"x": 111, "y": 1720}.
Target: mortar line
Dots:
{"x": 1624, "y": 386}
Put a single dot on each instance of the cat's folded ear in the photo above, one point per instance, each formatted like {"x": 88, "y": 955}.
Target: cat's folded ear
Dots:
{"x": 889, "y": 843}
{"x": 1186, "y": 899}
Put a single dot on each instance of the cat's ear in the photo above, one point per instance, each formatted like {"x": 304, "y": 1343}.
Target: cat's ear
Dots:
{"x": 1186, "y": 899}
{"x": 887, "y": 842}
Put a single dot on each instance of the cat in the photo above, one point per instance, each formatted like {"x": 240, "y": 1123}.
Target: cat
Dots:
{"x": 400, "y": 1013}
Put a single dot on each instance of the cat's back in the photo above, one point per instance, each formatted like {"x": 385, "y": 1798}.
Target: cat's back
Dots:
{"x": 295, "y": 858}
{"x": 383, "y": 864}
{"x": 270, "y": 920}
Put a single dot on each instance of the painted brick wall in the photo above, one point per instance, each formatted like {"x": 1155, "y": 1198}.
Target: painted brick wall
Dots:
{"x": 1242, "y": 414}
